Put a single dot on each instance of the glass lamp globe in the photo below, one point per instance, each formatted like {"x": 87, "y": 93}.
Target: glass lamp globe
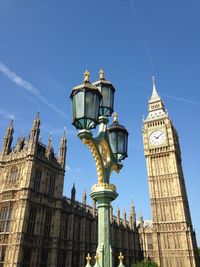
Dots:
{"x": 85, "y": 104}
{"x": 118, "y": 138}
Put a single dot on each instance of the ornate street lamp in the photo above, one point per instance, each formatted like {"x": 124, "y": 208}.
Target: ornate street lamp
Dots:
{"x": 92, "y": 105}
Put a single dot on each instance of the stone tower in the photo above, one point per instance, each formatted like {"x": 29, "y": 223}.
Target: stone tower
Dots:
{"x": 174, "y": 241}
{"x": 31, "y": 190}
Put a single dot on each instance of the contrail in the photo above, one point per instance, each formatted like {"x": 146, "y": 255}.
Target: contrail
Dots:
{"x": 29, "y": 88}
{"x": 142, "y": 34}
{"x": 183, "y": 99}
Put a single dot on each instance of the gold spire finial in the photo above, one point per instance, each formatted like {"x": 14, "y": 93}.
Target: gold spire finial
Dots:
{"x": 101, "y": 75}
{"x": 120, "y": 257}
{"x": 88, "y": 258}
{"x": 86, "y": 76}
{"x": 115, "y": 117}
{"x": 97, "y": 258}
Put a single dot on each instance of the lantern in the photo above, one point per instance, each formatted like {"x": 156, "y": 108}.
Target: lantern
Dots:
{"x": 118, "y": 138}
{"x": 85, "y": 104}
{"x": 107, "y": 90}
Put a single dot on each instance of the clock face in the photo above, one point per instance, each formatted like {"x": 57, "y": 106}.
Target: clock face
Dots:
{"x": 157, "y": 138}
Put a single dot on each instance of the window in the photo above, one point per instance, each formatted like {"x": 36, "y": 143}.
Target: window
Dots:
{"x": 5, "y": 218}
{"x": 31, "y": 221}
{"x": 51, "y": 185}
{"x": 37, "y": 180}
{"x": 47, "y": 226}
{"x": 2, "y": 255}
{"x": 26, "y": 257}
{"x": 149, "y": 242}
{"x": 44, "y": 258}
{"x": 13, "y": 175}
{"x": 61, "y": 258}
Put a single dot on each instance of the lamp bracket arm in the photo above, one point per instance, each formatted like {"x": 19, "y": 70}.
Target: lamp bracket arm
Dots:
{"x": 102, "y": 154}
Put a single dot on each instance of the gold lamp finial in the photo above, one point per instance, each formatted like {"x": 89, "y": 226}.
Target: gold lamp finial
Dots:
{"x": 120, "y": 257}
{"x": 88, "y": 258}
{"x": 97, "y": 257}
{"x": 115, "y": 117}
{"x": 86, "y": 76}
{"x": 101, "y": 74}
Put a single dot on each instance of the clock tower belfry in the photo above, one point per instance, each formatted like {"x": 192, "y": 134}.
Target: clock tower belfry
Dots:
{"x": 173, "y": 235}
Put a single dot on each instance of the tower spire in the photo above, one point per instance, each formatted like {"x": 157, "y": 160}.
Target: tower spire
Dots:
{"x": 156, "y": 107}
{"x": 118, "y": 216}
{"x": 35, "y": 131}
{"x": 133, "y": 213}
{"x": 154, "y": 96}
{"x": 124, "y": 215}
{"x": 63, "y": 149}
{"x": 84, "y": 197}
{"x": 8, "y": 138}
{"x": 73, "y": 193}
{"x": 49, "y": 148}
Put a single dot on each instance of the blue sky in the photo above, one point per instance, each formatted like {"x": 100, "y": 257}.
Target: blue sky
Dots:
{"x": 45, "y": 46}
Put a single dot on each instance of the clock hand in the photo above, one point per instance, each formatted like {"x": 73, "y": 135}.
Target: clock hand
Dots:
{"x": 159, "y": 135}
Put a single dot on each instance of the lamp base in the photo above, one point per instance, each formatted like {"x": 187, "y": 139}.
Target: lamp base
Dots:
{"x": 104, "y": 194}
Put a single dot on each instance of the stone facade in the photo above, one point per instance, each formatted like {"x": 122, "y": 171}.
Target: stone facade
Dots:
{"x": 174, "y": 241}
{"x": 40, "y": 227}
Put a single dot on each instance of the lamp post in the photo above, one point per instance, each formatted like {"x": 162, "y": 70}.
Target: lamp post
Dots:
{"x": 93, "y": 104}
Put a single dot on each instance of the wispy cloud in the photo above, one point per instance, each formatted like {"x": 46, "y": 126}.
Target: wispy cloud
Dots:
{"x": 27, "y": 86}
{"x": 136, "y": 82}
{"x": 46, "y": 128}
{"x": 190, "y": 101}
{"x": 6, "y": 114}
{"x": 146, "y": 47}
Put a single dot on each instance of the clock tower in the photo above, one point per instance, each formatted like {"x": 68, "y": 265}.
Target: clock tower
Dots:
{"x": 173, "y": 235}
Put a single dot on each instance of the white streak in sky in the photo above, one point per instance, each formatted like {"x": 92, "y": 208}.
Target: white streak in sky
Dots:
{"x": 183, "y": 99}
{"x": 141, "y": 32}
{"x": 6, "y": 114}
{"x": 29, "y": 88}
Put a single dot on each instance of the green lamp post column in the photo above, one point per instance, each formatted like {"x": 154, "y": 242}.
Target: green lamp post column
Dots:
{"x": 92, "y": 105}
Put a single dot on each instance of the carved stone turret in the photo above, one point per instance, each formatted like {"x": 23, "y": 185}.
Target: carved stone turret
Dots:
{"x": 8, "y": 139}
{"x": 49, "y": 150}
{"x": 124, "y": 219}
{"x": 133, "y": 213}
{"x": 63, "y": 149}
{"x": 73, "y": 193}
{"x": 35, "y": 132}
{"x": 20, "y": 144}
{"x": 84, "y": 198}
{"x": 141, "y": 219}
{"x": 118, "y": 216}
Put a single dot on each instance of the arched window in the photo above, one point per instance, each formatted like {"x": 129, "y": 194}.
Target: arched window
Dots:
{"x": 51, "y": 185}
{"x": 13, "y": 175}
{"x": 5, "y": 218}
{"x": 37, "y": 180}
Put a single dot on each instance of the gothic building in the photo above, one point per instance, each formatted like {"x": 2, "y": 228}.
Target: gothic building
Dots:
{"x": 174, "y": 241}
{"x": 39, "y": 227}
